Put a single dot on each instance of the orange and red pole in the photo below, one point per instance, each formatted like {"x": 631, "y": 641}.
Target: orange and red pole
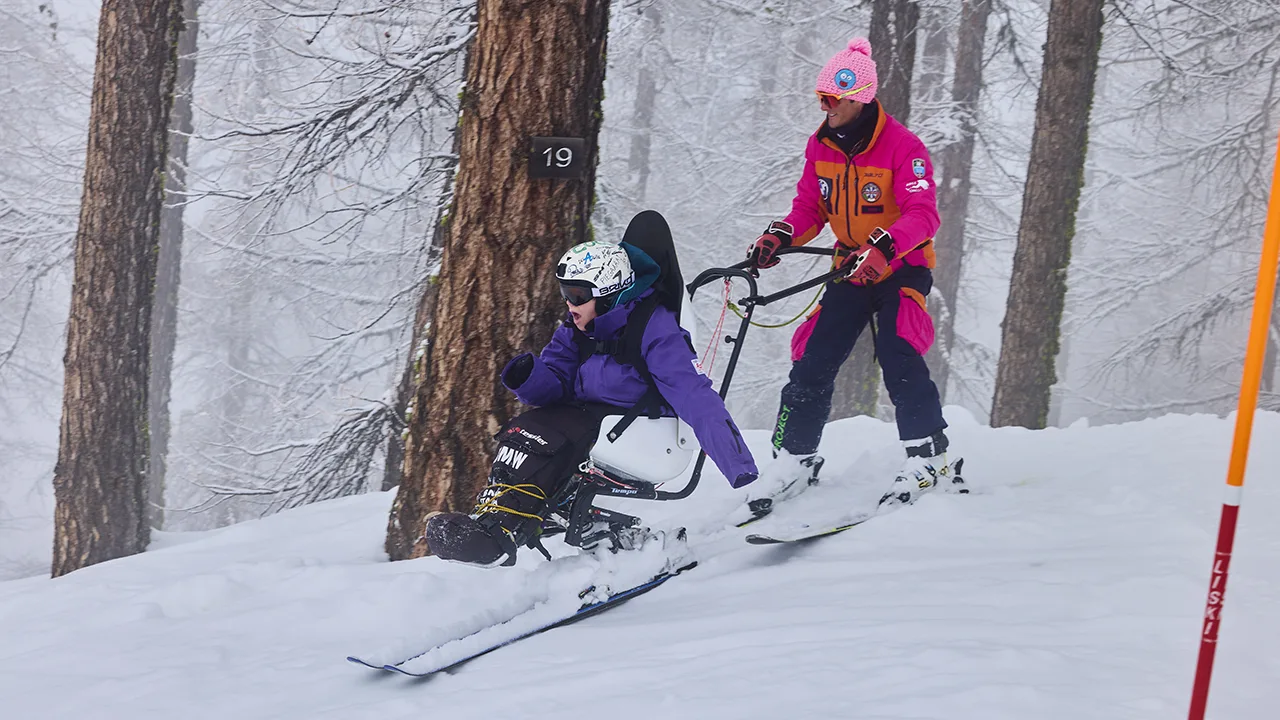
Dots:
{"x": 1263, "y": 299}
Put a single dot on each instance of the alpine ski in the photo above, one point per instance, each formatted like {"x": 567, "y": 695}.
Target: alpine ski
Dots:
{"x": 808, "y": 532}
{"x": 409, "y": 667}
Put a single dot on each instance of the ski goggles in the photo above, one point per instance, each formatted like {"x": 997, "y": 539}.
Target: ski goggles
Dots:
{"x": 829, "y": 100}
{"x": 577, "y": 293}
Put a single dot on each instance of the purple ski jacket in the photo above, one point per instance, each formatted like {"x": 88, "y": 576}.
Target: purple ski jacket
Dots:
{"x": 558, "y": 376}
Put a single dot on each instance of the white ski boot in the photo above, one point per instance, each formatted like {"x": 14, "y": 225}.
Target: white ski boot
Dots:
{"x": 784, "y": 478}
{"x": 925, "y": 468}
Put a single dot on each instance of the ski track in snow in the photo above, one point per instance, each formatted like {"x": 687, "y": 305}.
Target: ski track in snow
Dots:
{"x": 1070, "y": 585}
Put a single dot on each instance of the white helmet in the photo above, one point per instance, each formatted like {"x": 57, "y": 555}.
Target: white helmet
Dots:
{"x": 599, "y": 268}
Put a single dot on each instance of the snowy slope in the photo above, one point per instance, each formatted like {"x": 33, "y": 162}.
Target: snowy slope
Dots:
{"x": 1070, "y": 586}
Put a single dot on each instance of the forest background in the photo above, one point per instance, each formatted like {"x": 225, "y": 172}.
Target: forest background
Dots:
{"x": 320, "y": 149}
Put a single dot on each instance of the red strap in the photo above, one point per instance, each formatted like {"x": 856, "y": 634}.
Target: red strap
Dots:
{"x": 713, "y": 347}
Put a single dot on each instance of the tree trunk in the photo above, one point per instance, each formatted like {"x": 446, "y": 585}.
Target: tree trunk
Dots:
{"x": 953, "y": 193}
{"x": 100, "y": 479}
{"x": 1055, "y": 174}
{"x": 646, "y": 98}
{"x": 893, "y": 47}
{"x": 1272, "y": 357}
{"x": 536, "y": 69}
{"x": 1057, "y": 393}
{"x": 164, "y": 321}
{"x": 930, "y": 81}
{"x": 414, "y": 375}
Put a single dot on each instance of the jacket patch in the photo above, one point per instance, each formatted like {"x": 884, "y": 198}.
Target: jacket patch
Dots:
{"x": 917, "y": 167}
{"x": 824, "y": 187}
{"x": 871, "y": 192}
{"x": 918, "y": 186}
{"x": 827, "y": 186}
{"x": 872, "y": 209}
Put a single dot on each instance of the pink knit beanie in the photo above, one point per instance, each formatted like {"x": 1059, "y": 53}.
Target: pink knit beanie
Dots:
{"x": 851, "y": 73}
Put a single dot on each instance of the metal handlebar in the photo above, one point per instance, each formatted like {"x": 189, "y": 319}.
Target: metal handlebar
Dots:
{"x": 712, "y": 274}
{"x": 798, "y": 250}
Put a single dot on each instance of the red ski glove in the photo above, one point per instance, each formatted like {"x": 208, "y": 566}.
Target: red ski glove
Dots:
{"x": 763, "y": 252}
{"x": 868, "y": 265}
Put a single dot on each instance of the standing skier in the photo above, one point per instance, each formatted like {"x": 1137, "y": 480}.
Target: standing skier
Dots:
{"x": 871, "y": 180}
{"x": 582, "y": 375}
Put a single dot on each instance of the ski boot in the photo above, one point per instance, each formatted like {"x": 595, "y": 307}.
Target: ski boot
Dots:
{"x": 786, "y": 477}
{"x": 925, "y": 468}
{"x": 461, "y": 538}
{"x": 506, "y": 516}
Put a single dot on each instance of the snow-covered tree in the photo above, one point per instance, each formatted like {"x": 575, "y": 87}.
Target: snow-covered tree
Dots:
{"x": 100, "y": 478}
{"x": 322, "y": 144}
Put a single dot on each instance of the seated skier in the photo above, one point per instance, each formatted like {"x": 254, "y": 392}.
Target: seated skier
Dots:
{"x": 577, "y": 380}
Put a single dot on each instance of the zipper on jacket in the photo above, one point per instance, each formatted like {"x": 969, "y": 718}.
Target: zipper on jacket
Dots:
{"x": 737, "y": 438}
{"x": 853, "y": 199}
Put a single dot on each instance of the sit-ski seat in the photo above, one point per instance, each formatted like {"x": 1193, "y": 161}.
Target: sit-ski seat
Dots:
{"x": 654, "y": 450}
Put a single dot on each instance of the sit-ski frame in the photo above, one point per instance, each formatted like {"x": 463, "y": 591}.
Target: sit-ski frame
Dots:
{"x": 574, "y": 512}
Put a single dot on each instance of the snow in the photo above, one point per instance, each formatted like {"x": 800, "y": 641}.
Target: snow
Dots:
{"x": 1069, "y": 585}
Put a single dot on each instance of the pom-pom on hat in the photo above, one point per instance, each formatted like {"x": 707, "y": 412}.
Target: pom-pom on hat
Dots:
{"x": 850, "y": 73}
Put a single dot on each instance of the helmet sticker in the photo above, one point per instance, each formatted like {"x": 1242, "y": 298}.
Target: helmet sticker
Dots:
{"x": 603, "y": 266}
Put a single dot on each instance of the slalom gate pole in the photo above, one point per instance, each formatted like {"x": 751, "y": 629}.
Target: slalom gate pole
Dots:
{"x": 1263, "y": 298}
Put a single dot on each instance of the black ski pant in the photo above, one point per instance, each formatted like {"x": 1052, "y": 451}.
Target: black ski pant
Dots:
{"x": 538, "y": 452}
{"x": 823, "y": 343}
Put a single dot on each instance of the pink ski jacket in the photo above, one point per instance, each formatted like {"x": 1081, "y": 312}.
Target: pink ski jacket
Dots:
{"x": 888, "y": 185}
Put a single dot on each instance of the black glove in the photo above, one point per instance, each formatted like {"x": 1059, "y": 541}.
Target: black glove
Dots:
{"x": 762, "y": 253}
{"x": 517, "y": 371}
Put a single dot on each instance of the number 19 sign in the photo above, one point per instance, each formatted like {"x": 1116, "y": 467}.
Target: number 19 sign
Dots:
{"x": 557, "y": 157}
